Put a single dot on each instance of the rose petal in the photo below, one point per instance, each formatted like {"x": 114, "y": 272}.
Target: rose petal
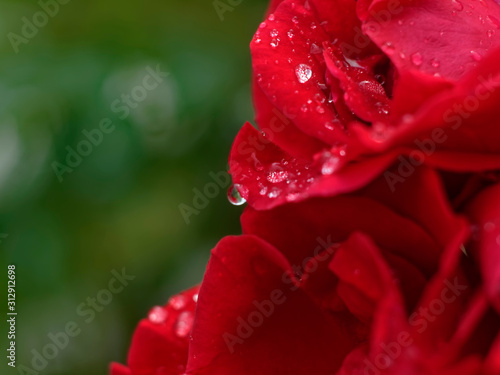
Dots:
{"x": 424, "y": 34}
{"x": 243, "y": 273}
{"x": 484, "y": 212}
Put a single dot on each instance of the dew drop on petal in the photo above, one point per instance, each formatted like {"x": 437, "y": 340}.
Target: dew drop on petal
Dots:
{"x": 388, "y": 47}
{"x": 262, "y": 25}
{"x": 476, "y": 56}
{"x": 303, "y": 73}
{"x": 157, "y": 315}
{"x": 234, "y": 196}
{"x": 490, "y": 33}
{"x": 315, "y": 49}
{"x": 271, "y": 17}
{"x": 195, "y": 298}
{"x": 435, "y": 63}
{"x": 457, "y": 5}
{"x": 274, "y": 33}
{"x": 417, "y": 59}
{"x": 274, "y": 193}
{"x": 330, "y": 165}
{"x": 274, "y": 43}
{"x": 277, "y": 176}
{"x": 177, "y": 302}
{"x": 290, "y": 34}
{"x": 184, "y": 324}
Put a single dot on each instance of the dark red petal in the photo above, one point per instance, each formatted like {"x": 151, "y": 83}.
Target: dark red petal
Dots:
{"x": 423, "y": 185}
{"x": 268, "y": 177}
{"x": 393, "y": 220}
{"x": 425, "y": 34}
{"x": 363, "y": 273}
{"x": 484, "y": 212}
{"x": 279, "y": 128}
{"x": 160, "y": 343}
{"x": 245, "y": 273}
{"x": 288, "y": 66}
{"x": 493, "y": 361}
{"x": 364, "y": 95}
{"x": 454, "y": 130}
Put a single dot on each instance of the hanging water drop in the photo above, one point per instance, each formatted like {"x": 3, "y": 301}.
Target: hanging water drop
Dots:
{"x": 234, "y": 196}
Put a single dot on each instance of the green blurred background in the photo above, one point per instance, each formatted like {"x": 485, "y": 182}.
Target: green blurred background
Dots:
{"x": 120, "y": 206}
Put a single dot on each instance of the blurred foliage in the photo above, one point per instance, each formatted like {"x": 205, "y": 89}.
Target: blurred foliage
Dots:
{"x": 120, "y": 206}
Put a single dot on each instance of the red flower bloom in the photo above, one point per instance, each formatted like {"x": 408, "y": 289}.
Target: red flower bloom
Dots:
{"x": 361, "y": 284}
{"x": 160, "y": 343}
{"x": 342, "y": 88}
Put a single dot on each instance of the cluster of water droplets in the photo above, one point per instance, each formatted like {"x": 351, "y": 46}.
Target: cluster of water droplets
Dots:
{"x": 178, "y": 314}
{"x": 491, "y": 23}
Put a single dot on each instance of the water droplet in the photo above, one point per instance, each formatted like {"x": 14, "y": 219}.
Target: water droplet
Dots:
{"x": 490, "y": 33}
{"x": 295, "y": 20}
{"x": 315, "y": 49}
{"x": 177, "y": 302}
{"x": 417, "y": 59}
{"x": 271, "y": 17}
{"x": 457, "y": 5}
{"x": 313, "y": 26}
{"x": 400, "y": 22}
{"x": 184, "y": 324}
{"x": 262, "y": 25}
{"x": 402, "y": 55}
{"x": 258, "y": 40}
{"x": 274, "y": 193}
{"x": 157, "y": 315}
{"x": 435, "y": 63}
{"x": 274, "y": 33}
{"x": 195, "y": 298}
{"x": 277, "y": 176}
{"x": 330, "y": 165}
{"x": 290, "y": 34}
{"x": 388, "y": 47}
{"x": 275, "y": 42}
{"x": 234, "y": 196}
{"x": 303, "y": 73}
{"x": 476, "y": 56}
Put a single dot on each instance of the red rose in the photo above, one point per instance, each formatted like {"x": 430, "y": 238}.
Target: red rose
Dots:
{"x": 369, "y": 283}
{"x": 160, "y": 343}
{"x": 343, "y": 88}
